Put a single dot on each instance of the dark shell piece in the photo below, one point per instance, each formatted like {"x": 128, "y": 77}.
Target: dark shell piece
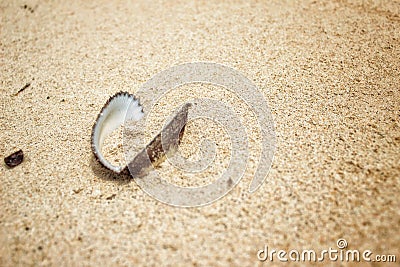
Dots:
{"x": 14, "y": 159}
{"x": 166, "y": 142}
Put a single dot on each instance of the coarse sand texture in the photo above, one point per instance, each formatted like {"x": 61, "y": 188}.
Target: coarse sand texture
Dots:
{"x": 328, "y": 70}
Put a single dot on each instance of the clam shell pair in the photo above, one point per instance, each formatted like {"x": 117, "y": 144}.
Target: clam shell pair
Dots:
{"x": 124, "y": 107}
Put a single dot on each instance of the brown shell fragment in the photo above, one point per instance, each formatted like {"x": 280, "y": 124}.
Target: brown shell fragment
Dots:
{"x": 14, "y": 159}
{"x": 165, "y": 143}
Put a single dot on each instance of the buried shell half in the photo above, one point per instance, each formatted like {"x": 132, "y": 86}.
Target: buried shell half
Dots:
{"x": 111, "y": 116}
{"x": 124, "y": 107}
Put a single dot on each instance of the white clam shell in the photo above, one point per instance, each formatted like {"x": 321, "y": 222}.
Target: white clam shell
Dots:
{"x": 113, "y": 114}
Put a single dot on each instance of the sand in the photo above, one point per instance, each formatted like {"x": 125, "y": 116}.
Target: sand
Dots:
{"x": 329, "y": 70}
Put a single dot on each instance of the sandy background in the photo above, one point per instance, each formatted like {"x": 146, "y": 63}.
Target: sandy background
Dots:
{"x": 329, "y": 70}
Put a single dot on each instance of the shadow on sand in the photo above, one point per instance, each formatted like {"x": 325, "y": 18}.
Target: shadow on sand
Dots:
{"x": 108, "y": 175}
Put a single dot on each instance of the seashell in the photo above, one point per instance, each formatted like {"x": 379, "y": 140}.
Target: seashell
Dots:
{"x": 124, "y": 106}
{"x": 111, "y": 116}
{"x": 14, "y": 159}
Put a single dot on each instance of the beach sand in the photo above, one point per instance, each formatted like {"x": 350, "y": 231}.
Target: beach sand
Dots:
{"x": 329, "y": 71}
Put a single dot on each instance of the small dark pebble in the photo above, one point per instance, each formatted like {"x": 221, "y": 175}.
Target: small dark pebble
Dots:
{"x": 62, "y": 100}
{"x": 48, "y": 97}
{"x": 28, "y": 7}
{"x": 27, "y": 228}
{"x": 14, "y": 159}
{"x": 39, "y": 247}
